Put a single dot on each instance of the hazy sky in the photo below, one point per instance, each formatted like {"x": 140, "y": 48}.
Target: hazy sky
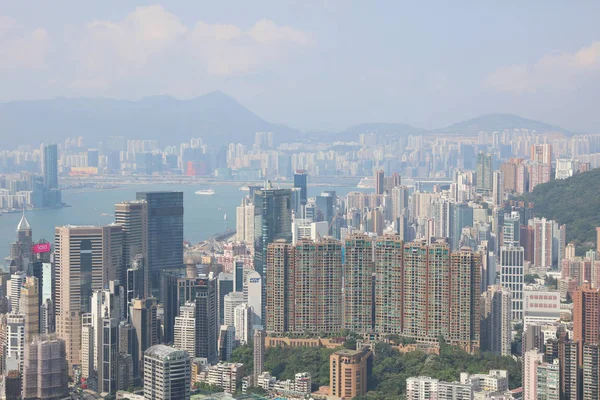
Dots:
{"x": 316, "y": 64}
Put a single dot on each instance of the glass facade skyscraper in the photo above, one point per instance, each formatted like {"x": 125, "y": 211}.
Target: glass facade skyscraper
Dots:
{"x": 50, "y": 166}
{"x": 165, "y": 234}
{"x": 300, "y": 181}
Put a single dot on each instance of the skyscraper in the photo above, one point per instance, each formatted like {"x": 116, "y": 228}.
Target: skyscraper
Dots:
{"x": 496, "y": 328}
{"x": 497, "y": 188}
{"x": 259, "y": 352}
{"x": 30, "y": 307}
{"x": 165, "y": 234}
{"x": 300, "y": 181}
{"x": 21, "y": 250}
{"x": 133, "y": 217}
{"x": 143, "y": 319}
{"x": 586, "y": 315}
{"x": 167, "y": 373}
{"x": 358, "y": 284}
{"x": 45, "y": 375}
{"x": 379, "y": 182}
{"x": 531, "y": 360}
{"x": 15, "y": 342}
{"x": 185, "y": 329}
{"x": 272, "y": 221}
{"x": 50, "y": 166}
{"x": 389, "y": 271}
{"x": 591, "y": 372}
{"x": 570, "y": 369}
{"x": 484, "y": 172}
{"x": 86, "y": 258}
{"x": 244, "y": 221}
{"x": 512, "y": 276}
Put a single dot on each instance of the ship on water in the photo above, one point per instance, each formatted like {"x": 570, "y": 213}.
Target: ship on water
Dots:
{"x": 205, "y": 192}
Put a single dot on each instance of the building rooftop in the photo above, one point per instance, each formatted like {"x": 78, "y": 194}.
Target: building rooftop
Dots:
{"x": 165, "y": 353}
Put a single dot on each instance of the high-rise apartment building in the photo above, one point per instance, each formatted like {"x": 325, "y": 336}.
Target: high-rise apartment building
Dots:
{"x": 50, "y": 166}
{"x": 86, "y": 259}
{"x": 389, "y": 272}
{"x": 358, "y": 284}
{"x": 586, "y": 316}
{"x": 348, "y": 373}
{"x": 497, "y": 188}
{"x": 243, "y": 323}
{"x": 45, "y": 374}
{"x": 259, "y": 352}
{"x": 244, "y": 221}
{"x": 591, "y": 372}
{"x": 531, "y": 360}
{"x": 548, "y": 381}
{"x": 167, "y": 373}
{"x": 570, "y": 369}
{"x": 16, "y": 285}
{"x": 133, "y": 217}
{"x": 512, "y": 277}
{"x": 496, "y": 327}
{"x": 485, "y": 170}
{"x": 165, "y": 234}
{"x": 548, "y": 242}
{"x": 540, "y": 166}
{"x": 14, "y": 349}
{"x": 304, "y": 286}
{"x": 516, "y": 177}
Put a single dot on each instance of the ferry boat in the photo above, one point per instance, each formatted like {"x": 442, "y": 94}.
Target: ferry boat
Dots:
{"x": 244, "y": 188}
{"x": 205, "y": 192}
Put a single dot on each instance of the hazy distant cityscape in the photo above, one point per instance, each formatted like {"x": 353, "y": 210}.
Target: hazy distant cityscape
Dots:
{"x": 409, "y": 212}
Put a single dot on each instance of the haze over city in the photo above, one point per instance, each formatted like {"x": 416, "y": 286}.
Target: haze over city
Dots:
{"x": 324, "y": 200}
{"x": 315, "y": 65}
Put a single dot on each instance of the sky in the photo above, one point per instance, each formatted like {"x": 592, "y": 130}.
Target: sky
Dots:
{"x": 316, "y": 65}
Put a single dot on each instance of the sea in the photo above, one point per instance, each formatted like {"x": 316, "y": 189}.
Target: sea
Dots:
{"x": 204, "y": 215}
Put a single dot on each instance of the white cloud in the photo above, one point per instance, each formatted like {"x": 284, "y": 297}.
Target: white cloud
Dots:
{"x": 21, "y": 50}
{"x": 150, "y": 39}
{"x": 556, "y": 70}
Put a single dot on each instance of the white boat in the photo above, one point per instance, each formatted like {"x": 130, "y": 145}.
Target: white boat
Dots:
{"x": 205, "y": 192}
{"x": 244, "y": 188}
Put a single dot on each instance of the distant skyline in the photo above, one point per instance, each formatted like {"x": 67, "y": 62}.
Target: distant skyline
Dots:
{"x": 312, "y": 64}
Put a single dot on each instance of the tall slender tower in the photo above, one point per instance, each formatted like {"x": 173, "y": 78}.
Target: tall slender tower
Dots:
{"x": 30, "y": 307}
{"x": 133, "y": 217}
{"x": 586, "y": 316}
{"x": 259, "y": 352}
{"x": 165, "y": 234}
{"x": 389, "y": 271}
{"x": 512, "y": 276}
{"x": 50, "y": 166}
{"x": 86, "y": 258}
{"x": 358, "y": 284}
{"x": 21, "y": 250}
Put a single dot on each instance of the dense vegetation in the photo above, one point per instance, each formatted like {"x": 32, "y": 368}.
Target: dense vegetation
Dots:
{"x": 573, "y": 201}
{"x": 390, "y": 368}
{"x": 285, "y": 362}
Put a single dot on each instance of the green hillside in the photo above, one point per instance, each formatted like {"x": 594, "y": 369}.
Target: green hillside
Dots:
{"x": 574, "y": 201}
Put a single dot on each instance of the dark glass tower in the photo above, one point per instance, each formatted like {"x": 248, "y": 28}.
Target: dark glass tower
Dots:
{"x": 165, "y": 234}
{"x": 300, "y": 181}
{"x": 50, "y": 166}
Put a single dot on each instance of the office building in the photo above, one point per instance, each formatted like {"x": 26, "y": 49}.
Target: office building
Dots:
{"x": 495, "y": 331}
{"x": 259, "y": 352}
{"x": 224, "y": 287}
{"x": 348, "y": 373}
{"x": 86, "y": 259}
{"x": 243, "y": 323}
{"x": 272, "y": 221}
{"x": 144, "y": 322}
{"x": 301, "y": 181}
{"x": 88, "y": 351}
{"x": 50, "y": 166}
{"x": 16, "y": 284}
{"x": 133, "y": 218}
{"x": 379, "y": 177}
{"x": 185, "y": 328}
{"x": 30, "y": 307}
{"x": 254, "y": 295}
{"x": 389, "y": 272}
{"x": 15, "y": 342}
{"x": 586, "y": 316}
{"x": 358, "y": 284}
{"x": 45, "y": 374}
{"x": 21, "y": 253}
{"x": 231, "y": 301}
{"x": 226, "y": 342}
{"x": 165, "y": 234}
{"x": 170, "y": 301}
{"x": 167, "y": 373}
{"x": 497, "y": 188}
{"x": 307, "y": 229}
{"x": 484, "y": 173}
{"x": 540, "y": 307}
{"x": 244, "y": 221}
{"x": 512, "y": 276}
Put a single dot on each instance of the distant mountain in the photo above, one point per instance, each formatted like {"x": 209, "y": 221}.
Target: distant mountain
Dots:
{"x": 215, "y": 117}
{"x": 499, "y": 122}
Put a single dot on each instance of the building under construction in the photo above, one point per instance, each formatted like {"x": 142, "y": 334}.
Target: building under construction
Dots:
{"x": 45, "y": 369}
